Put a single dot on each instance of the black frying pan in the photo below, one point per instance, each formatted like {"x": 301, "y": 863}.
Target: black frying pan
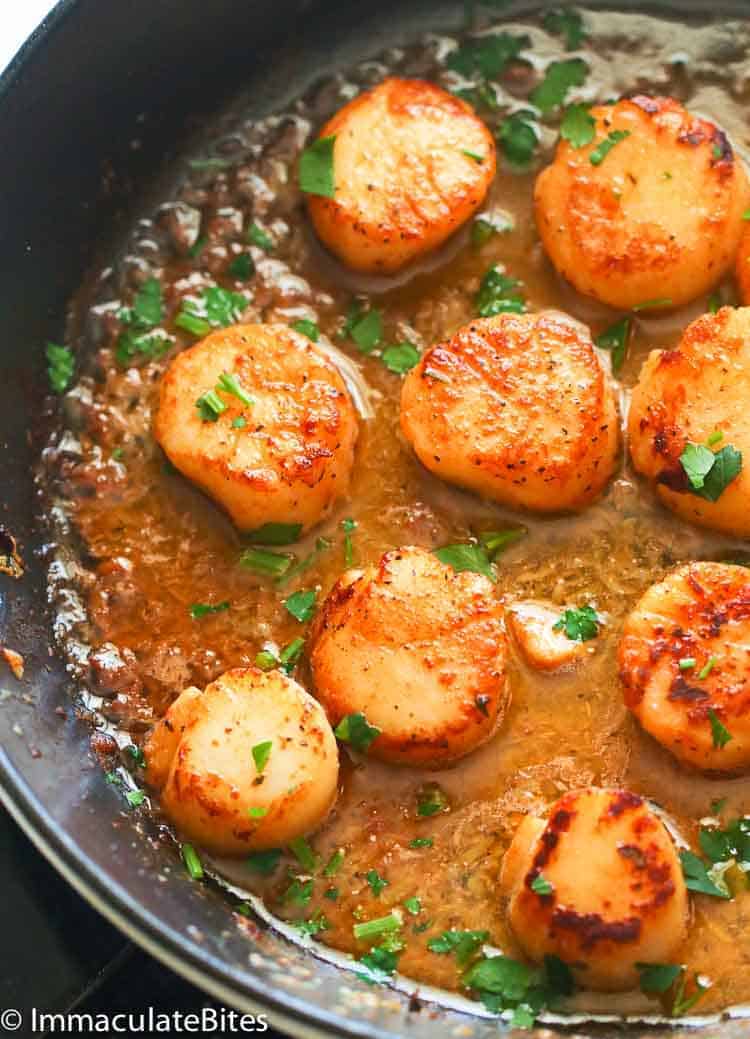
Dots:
{"x": 96, "y": 75}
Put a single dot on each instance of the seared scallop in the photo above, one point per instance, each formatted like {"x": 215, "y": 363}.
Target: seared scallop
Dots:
{"x": 262, "y": 422}
{"x": 248, "y": 764}
{"x": 535, "y": 627}
{"x": 691, "y": 401}
{"x": 597, "y": 884}
{"x": 612, "y": 214}
{"x": 517, "y": 408}
{"x": 419, "y": 650}
{"x": 411, "y": 164}
{"x": 685, "y": 665}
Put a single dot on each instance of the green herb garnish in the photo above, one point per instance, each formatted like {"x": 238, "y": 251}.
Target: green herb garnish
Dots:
{"x": 230, "y": 384}
{"x": 616, "y": 339}
{"x": 465, "y": 944}
{"x": 60, "y": 366}
{"x": 210, "y": 406}
{"x": 486, "y": 56}
{"x": 192, "y": 862}
{"x": 431, "y": 800}
{"x": 497, "y": 296}
{"x": 720, "y": 734}
{"x": 541, "y": 886}
{"x": 374, "y": 928}
{"x": 261, "y": 753}
{"x": 422, "y": 842}
{"x": 276, "y": 534}
{"x": 579, "y": 624}
{"x": 135, "y": 798}
{"x": 264, "y": 862}
{"x": 658, "y": 978}
{"x": 301, "y": 605}
{"x": 268, "y": 564}
{"x": 242, "y": 267}
{"x": 602, "y": 150}
{"x": 316, "y": 176}
{"x": 257, "y": 813}
{"x": 578, "y": 125}
{"x": 474, "y": 156}
{"x": 348, "y": 526}
{"x": 709, "y": 473}
{"x": 304, "y": 854}
{"x": 376, "y": 882}
{"x": 257, "y": 236}
{"x": 467, "y": 557}
{"x": 413, "y": 905}
{"x": 321, "y": 545}
{"x": 298, "y": 893}
{"x": 567, "y": 23}
{"x": 518, "y": 138}
{"x": 400, "y": 358}
{"x": 307, "y": 328}
{"x": 697, "y": 878}
{"x": 355, "y": 730}
{"x": 558, "y": 80}
{"x": 495, "y": 542}
{"x": 334, "y": 863}
{"x": 201, "y": 609}
{"x": 215, "y": 308}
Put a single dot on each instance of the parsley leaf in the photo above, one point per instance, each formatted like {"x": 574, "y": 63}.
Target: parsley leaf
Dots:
{"x": 304, "y": 854}
{"x": 381, "y": 959}
{"x": 486, "y": 56}
{"x": 148, "y": 309}
{"x": 658, "y": 977}
{"x": 602, "y": 150}
{"x": 276, "y": 534}
{"x": 518, "y": 137}
{"x": 467, "y": 557}
{"x": 299, "y": 892}
{"x": 376, "y": 882}
{"x": 367, "y": 331}
{"x": 200, "y": 609}
{"x": 60, "y": 365}
{"x": 465, "y": 944}
{"x": 135, "y": 798}
{"x": 400, "y": 358}
{"x": 264, "y": 862}
{"x": 242, "y": 267}
{"x": 261, "y": 753}
{"x": 719, "y": 733}
{"x": 192, "y": 863}
{"x": 558, "y": 80}
{"x": 578, "y": 125}
{"x": 413, "y": 905}
{"x": 496, "y": 541}
{"x": 697, "y": 878}
{"x": 307, "y": 328}
{"x": 697, "y": 461}
{"x": 580, "y": 624}
{"x": 334, "y": 863}
{"x": 616, "y": 339}
{"x": 431, "y": 800}
{"x": 301, "y": 604}
{"x": 257, "y": 236}
{"x": 568, "y": 24}
{"x": 709, "y": 473}
{"x": 496, "y": 294}
{"x": 315, "y": 175}
{"x": 541, "y": 886}
{"x": 422, "y": 842}
{"x": 317, "y": 923}
{"x": 355, "y": 730}
{"x": 210, "y": 406}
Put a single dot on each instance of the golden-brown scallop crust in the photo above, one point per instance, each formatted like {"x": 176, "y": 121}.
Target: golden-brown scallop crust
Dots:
{"x": 517, "y": 408}
{"x": 293, "y": 457}
{"x": 200, "y": 758}
{"x": 407, "y": 174}
{"x": 699, "y": 613}
{"x": 618, "y": 896}
{"x": 688, "y": 394}
{"x": 620, "y": 231}
{"x": 418, "y": 649}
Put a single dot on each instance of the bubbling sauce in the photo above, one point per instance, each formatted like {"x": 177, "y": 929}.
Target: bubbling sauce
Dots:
{"x": 139, "y": 545}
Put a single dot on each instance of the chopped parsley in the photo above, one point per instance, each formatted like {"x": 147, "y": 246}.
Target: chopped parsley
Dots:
{"x": 318, "y": 922}
{"x": 474, "y": 156}
{"x": 60, "y": 365}
{"x": 709, "y": 473}
{"x": 497, "y": 294}
{"x": 135, "y": 752}
{"x": 686, "y": 663}
{"x": 683, "y": 1003}
{"x": 301, "y": 605}
{"x": 307, "y": 328}
{"x": 400, "y": 358}
{"x": 559, "y": 78}
{"x": 413, "y": 905}
{"x": 376, "y": 882}
{"x": 367, "y": 331}
{"x": 652, "y": 304}
{"x": 504, "y": 984}
{"x": 304, "y": 854}
{"x": 467, "y": 557}
{"x": 355, "y": 730}
{"x": 242, "y": 267}
{"x": 264, "y": 862}
{"x": 714, "y": 302}
{"x": 465, "y": 944}
{"x": 290, "y": 655}
{"x": 197, "y": 247}
{"x": 579, "y": 624}
{"x": 139, "y": 337}
{"x": 578, "y": 125}
{"x": 719, "y": 733}
{"x": 276, "y": 534}
{"x": 374, "y": 928}
{"x": 239, "y": 423}
{"x": 658, "y": 978}
{"x": 496, "y": 541}
{"x": 192, "y": 862}
{"x": 697, "y": 876}
{"x": 257, "y": 236}
{"x": 298, "y": 893}
{"x": 602, "y": 150}
{"x": 265, "y": 563}
{"x": 616, "y": 339}
{"x": 135, "y": 798}
{"x": 431, "y": 800}
{"x": 382, "y": 959}
{"x": 321, "y": 545}
{"x": 315, "y": 175}
{"x": 201, "y": 609}
{"x": 348, "y": 526}
{"x": 257, "y": 813}
{"x": 215, "y": 308}
{"x": 261, "y": 753}
{"x": 334, "y": 863}
{"x": 210, "y": 406}
{"x": 518, "y": 138}
{"x": 486, "y": 57}
{"x": 541, "y": 886}
{"x": 422, "y": 842}
{"x": 707, "y": 668}
{"x": 567, "y": 23}
{"x": 230, "y": 384}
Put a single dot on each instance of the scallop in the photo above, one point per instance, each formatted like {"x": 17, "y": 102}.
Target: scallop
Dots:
{"x": 516, "y": 408}
{"x": 411, "y": 164}
{"x": 598, "y": 884}
{"x": 685, "y": 665}
{"x": 690, "y": 401}
{"x": 262, "y": 422}
{"x": 613, "y": 215}
{"x": 419, "y": 650}
{"x": 248, "y": 764}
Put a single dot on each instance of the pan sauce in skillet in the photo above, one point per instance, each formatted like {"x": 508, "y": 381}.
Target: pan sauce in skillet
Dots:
{"x": 146, "y": 546}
